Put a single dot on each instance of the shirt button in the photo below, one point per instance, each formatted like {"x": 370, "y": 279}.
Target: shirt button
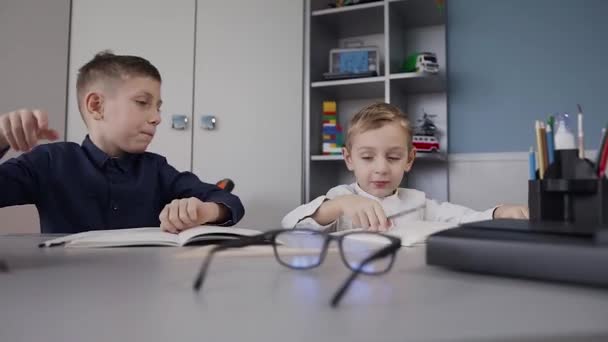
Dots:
{"x": 115, "y": 207}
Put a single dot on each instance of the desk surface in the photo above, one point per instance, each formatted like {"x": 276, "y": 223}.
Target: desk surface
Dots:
{"x": 145, "y": 294}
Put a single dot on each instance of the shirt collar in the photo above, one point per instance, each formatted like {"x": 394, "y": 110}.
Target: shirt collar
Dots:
{"x": 100, "y": 158}
{"x": 362, "y": 192}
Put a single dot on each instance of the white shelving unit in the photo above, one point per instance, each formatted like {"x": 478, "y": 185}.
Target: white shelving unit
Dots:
{"x": 398, "y": 28}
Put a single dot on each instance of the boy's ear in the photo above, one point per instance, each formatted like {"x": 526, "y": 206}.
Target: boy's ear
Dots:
{"x": 411, "y": 157}
{"x": 93, "y": 104}
{"x": 348, "y": 158}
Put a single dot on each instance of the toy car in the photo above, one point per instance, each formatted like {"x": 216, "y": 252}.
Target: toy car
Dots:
{"x": 425, "y": 143}
{"x": 421, "y": 62}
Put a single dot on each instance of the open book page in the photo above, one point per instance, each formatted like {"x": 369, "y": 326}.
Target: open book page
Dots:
{"x": 411, "y": 233}
{"x": 93, "y": 234}
{"x": 127, "y": 237}
{"x": 416, "y": 232}
{"x": 203, "y": 233}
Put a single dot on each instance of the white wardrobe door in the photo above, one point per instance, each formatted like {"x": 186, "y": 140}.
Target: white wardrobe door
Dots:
{"x": 249, "y": 76}
{"x": 160, "y": 31}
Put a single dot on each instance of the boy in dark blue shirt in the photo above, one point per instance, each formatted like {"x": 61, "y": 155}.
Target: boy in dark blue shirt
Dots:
{"x": 109, "y": 181}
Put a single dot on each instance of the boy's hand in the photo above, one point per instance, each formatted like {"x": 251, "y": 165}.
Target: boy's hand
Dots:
{"x": 185, "y": 213}
{"x": 364, "y": 212}
{"x": 512, "y": 212}
{"x": 23, "y": 128}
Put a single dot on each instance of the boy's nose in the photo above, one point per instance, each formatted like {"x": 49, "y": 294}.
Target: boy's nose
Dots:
{"x": 155, "y": 119}
{"x": 381, "y": 166}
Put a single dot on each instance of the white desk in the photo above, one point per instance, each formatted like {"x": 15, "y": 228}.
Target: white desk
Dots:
{"x": 145, "y": 294}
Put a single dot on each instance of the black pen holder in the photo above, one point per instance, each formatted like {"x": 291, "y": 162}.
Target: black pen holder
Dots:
{"x": 570, "y": 192}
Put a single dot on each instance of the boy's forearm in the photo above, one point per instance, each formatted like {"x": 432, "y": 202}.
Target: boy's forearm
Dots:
{"x": 328, "y": 212}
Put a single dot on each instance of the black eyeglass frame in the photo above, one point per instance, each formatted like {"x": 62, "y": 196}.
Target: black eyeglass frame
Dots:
{"x": 270, "y": 237}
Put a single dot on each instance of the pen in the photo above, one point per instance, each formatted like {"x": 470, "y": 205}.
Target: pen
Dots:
{"x": 532, "y": 163}
{"x": 51, "y": 244}
{"x": 550, "y": 144}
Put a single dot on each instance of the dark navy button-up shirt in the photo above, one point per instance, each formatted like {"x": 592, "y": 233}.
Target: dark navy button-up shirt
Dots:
{"x": 78, "y": 188}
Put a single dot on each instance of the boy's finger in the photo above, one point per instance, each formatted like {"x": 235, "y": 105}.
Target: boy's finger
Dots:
{"x": 183, "y": 214}
{"x": 356, "y": 223}
{"x": 42, "y": 119}
{"x": 173, "y": 214}
{"x": 48, "y": 134}
{"x": 363, "y": 219}
{"x": 11, "y": 140}
{"x": 166, "y": 226}
{"x": 28, "y": 121}
{"x": 17, "y": 131}
{"x": 163, "y": 217}
{"x": 373, "y": 220}
{"x": 192, "y": 210}
{"x": 383, "y": 221}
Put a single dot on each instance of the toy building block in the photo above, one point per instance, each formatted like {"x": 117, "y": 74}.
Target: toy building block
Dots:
{"x": 329, "y": 107}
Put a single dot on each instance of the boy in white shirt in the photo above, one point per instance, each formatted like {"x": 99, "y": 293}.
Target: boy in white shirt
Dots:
{"x": 379, "y": 151}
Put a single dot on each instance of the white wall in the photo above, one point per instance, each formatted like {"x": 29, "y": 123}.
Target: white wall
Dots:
{"x": 483, "y": 180}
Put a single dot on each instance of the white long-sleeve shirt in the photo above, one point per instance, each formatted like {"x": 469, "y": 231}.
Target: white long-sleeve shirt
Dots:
{"x": 405, "y": 205}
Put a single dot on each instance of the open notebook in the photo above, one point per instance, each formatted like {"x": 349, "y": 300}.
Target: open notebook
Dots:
{"x": 412, "y": 233}
{"x": 149, "y": 237}
{"x": 416, "y": 232}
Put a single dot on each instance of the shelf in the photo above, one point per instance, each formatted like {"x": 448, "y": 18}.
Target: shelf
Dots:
{"x": 347, "y": 8}
{"x": 419, "y": 156}
{"x": 326, "y": 157}
{"x": 347, "y": 21}
{"x": 418, "y": 13}
{"x": 418, "y": 82}
{"x": 366, "y": 87}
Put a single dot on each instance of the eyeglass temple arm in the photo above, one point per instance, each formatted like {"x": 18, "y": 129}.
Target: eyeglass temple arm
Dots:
{"x": 260, "y": 239}
{"x": 346, "y": 285}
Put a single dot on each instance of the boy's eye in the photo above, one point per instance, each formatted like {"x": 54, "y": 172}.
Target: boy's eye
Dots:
{"x": 141, "y": 103}
{"x": 394, "y": 158}
{"x": 367, "y": 157}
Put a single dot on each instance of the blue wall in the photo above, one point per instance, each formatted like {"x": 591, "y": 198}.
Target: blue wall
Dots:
{"x": 513, "y": 61}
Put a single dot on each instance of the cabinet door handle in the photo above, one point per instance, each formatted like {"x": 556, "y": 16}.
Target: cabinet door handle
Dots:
{"x": 179, "y": 122}
{"x": 208, "y": 122}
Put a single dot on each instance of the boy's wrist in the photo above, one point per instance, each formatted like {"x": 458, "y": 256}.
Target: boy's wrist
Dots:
{"x": 333, "y": 207}
{"x": 219, "y": 212}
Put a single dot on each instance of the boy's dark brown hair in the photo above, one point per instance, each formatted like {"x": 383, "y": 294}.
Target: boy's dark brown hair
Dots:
{"x": 106, "y": 66}
{"x": 375, "y": 116}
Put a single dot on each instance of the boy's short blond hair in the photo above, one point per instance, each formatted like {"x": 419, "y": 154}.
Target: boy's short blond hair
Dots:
{"x": 375, "y": 116}
{"x": 107, "y": 67}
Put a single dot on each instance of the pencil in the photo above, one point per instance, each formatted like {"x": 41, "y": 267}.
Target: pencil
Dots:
{"x": 540, "y": 149}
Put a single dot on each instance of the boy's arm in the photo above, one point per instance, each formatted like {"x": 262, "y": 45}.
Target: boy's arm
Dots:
{"x": 306, "y": 216}
{"x": 178, "y": 185}
{"x": 21, "y": 130}
{"x": 19, "y": 177}
{"x": 448, "y": 212}
{"x": 322, "y": 213}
